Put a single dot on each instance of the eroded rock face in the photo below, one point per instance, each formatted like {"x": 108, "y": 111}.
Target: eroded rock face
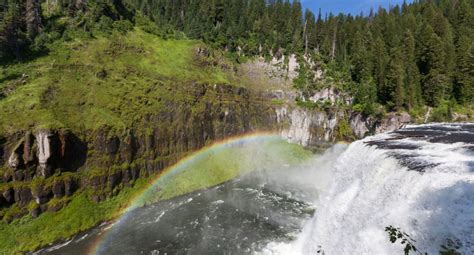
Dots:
{"x": 23, "y": 196}
{"x": 44, "y": 152}
{"x": 393, "y": 121}
{"x": 306, "y": 127}
{"x": 360, "y": 126}
{"x": 330, "y": 95}
{"x": 15, "y": 160}
{"x": 29, "y": 149}
{"x": 311, "y": 127}
{"x": 41, "y": 194}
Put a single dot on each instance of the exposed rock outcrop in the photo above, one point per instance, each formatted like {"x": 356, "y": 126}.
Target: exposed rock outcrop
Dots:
{"x": 392, "y": 122}
{"x": 330, "y": 95}
{"x": 44, "y": 138}
{"x": 15, "y": 160}
{"x": 313, "y": 127}
{"x": 306, "y": 127}
{"x": 360, "y": 125}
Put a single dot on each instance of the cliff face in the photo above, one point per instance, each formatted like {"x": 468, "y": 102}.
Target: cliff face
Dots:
{"x": 315, "y": 127}
{"x": 106, "y": 160}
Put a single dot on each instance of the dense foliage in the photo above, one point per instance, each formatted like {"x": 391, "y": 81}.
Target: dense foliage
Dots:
{"x": 408, "y": 56}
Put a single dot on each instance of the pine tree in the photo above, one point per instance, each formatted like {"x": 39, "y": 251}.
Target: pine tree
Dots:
{"x": 431, "y": 64}
{"x": 464, "y": 88}
{"x": 33, "y": 18}
{"x": 412, "y": 76}
{"x": 380, "y": 66}
{"x": 12, "y": 35}
{"x": 395, "y": 78}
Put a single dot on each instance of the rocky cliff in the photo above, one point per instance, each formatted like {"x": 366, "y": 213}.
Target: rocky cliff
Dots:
{"x": 106, "y": 160}
{"x": 317, "y": 127}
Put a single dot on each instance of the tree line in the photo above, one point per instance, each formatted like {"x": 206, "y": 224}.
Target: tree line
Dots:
{"x": 403, "y": 57}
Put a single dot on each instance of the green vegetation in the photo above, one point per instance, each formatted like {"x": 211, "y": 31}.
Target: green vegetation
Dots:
{"x": 344, "y": 131}
{"x": 85, "y": 84}
{"x": 397, "y": 235}
{"x": 82, "y": 214}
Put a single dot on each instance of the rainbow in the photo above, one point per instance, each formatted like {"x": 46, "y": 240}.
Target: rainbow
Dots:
{"x": 98, "y": 246}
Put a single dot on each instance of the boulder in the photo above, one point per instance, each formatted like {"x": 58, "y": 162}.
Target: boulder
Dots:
{"x": 9, "y": 195}
{"x": 112, "y": 145}
{"x": 69, "y": 187}
{"x": 23, "y": 196}
{"x": 35, "y": 211}
{"x": 41, "y": 194}
{"x": 102, "y": 74}
{"x": 18, "y": 176}
{"x": 95, "y": 198}
{"x": 58, "y": 189}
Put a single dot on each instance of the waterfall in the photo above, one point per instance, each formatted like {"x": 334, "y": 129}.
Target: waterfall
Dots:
{"x": 420, "y": 179}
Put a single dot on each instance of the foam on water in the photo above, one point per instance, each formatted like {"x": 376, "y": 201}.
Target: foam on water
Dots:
{"x": 371, "y": 187}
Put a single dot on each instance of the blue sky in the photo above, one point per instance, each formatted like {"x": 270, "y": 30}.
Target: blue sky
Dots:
{"x": 347, "y": 6}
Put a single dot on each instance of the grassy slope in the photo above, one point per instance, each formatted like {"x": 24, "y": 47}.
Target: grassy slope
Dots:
{"x": 62, "y": 89}
{"x": 81, "y": 214}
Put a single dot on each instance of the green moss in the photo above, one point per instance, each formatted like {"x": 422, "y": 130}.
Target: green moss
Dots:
{"x": 11, "y": 213}
{"x": 32, "y": 206}
{"x": 278, "y": 102}
{"x": 58, "y": 202}
{"x": 3, "y": 172}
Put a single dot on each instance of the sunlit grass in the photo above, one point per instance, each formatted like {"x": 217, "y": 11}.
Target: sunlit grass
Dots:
{"x": 64, "y": 88}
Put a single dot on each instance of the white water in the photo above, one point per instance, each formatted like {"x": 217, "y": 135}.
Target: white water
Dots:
{"x": 368, "y": 190}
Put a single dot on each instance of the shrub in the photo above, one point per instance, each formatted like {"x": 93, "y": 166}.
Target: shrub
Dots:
{"x": 443, "y": 112}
